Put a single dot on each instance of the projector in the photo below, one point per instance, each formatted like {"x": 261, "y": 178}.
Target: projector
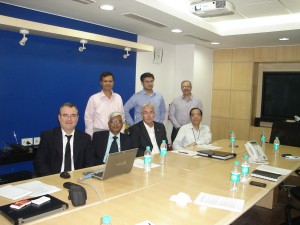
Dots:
{"x": 212, "y": 8}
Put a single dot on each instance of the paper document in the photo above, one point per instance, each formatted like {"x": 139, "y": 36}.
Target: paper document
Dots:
{"x": 13, "y": 192}
{"x": 139, "y": 163}
{"x": 273, "y": 169}
{"x": 38, "y": 188}
{"x": 211, "y": 147}
{"x": 185, "y": 152}
{"x": 220, "y": 202}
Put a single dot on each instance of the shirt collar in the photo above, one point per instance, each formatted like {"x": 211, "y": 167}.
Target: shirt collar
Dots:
{"x": 111, "y": 135}
{"x": 64, "y": 133}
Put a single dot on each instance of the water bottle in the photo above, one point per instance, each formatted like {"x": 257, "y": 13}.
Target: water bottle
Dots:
{"x": 235, "y": 177}
{"x": 276, "y": 146}
{"x": 147, "y": 159}
{"x": 106, "y": 220}
{"x": 163, "y": 152}
{"x": 263, "y": 140}
{"x": 232, "y": 141}
{"x": 245, "y": 169}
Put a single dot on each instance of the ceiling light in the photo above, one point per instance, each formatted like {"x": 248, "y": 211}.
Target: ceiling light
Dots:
{"x": 284, "y": 39}
{"x": 107, "y": 7}
{"x": 127, "y": 54}
{"x": 82, "y": 48}
{"x": 24, "y": 39}
{"x": 176, "y": 30}
{"x": 215, "y": 43}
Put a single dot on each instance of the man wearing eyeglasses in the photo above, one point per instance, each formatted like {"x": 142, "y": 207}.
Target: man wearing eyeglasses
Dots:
{"x": 148, "y": 132}
{"x": 63, "y": 148}
{"x": 106, "y": 142}
{"x": 181, "y": 106}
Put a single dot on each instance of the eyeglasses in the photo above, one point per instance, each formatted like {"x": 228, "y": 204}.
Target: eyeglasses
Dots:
{"x": 116, "y": 122}
{"x": 66, "y": 116}
{"x": 148, "y": 113}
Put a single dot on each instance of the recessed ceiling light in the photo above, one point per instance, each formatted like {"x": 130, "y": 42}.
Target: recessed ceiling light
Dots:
{"x": 284, "y": 39}
{"x": 176, "y": 30}
{"x": 107, "y": 7}
{"x": 215, "y": 43}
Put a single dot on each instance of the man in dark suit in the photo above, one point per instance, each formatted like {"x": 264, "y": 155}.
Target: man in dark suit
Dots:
{"x": 105, "y": 142}
{"x": 63, "y": 148}
{"x": 148, "y": 132}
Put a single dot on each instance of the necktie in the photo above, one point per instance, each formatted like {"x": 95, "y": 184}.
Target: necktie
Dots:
{"x": 68, "y": 154}
{"x": 114, "y": 145}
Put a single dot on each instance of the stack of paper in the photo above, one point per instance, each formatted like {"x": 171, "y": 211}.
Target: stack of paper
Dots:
{"x": 32, "y": 188}
{"x": 220, "y": 202}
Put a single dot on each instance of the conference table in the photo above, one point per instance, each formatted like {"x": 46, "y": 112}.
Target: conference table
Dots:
{"x": 138, "y": 196}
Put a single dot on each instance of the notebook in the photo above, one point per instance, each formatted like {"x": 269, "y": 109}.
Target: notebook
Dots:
{"x": 117, "y": 163}
{"x": 32, "y": 211}
{"x": 216, "y": 154}
{"x": 266, "y": 175}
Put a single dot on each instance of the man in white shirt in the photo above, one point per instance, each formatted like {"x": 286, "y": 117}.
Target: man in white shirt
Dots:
{"x": 100, "y": 105}
{"x": 193, "y": 133}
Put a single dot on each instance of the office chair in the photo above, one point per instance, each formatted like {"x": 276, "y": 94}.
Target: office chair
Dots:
{"x": 295, "y": 191}
{"x": 289, "y": 134}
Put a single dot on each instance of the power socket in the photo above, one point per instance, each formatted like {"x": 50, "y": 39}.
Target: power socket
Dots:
{"x": 36, "y": 140}
{"x": 27, "y": 141}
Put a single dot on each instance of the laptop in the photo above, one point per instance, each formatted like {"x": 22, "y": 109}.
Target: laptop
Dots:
{"x": 117, "y": 163}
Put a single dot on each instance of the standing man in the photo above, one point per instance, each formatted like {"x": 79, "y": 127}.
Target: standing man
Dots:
{"x": 110, "y": 141}
{"x": 147, "y": 95}
{"x": 100, "y": 105}
{"x": 148, "y": 132}
{"x": 181, "y": 106}
{"x": 63, "y": 148}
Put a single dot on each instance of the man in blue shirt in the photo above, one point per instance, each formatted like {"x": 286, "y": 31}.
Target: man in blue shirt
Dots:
{"x": 146, "y": 96}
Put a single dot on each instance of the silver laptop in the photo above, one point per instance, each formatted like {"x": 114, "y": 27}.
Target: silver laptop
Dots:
{"x": 117, "y": 163}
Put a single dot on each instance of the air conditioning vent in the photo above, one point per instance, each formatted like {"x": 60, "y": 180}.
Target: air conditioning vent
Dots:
{"x": 144, "y": 20}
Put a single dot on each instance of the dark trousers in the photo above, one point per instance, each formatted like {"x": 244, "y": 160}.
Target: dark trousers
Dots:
{"x": 174, "y": 133}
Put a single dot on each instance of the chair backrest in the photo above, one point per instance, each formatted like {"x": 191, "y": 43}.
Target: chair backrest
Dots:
{"x": 288, "y": 133}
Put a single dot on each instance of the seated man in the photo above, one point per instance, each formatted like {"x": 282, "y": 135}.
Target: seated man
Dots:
{"x": 148, "y": 132}
{"x": 110, "y": 141}
{"x": 62, "y": 148}
{"x": 193, "y": 133}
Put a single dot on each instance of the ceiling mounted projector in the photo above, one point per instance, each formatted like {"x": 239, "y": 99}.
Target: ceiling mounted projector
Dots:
{"x": 212, "y": 8}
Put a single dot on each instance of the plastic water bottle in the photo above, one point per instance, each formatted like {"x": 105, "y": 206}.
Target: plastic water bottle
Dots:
{"x": 232, "y": 141}
{"x": 235, "y": 177}
{"x": 147, "y": 159}
{"x": 163, "y": 152}
{"x": 245, "y": 169}
{"x": 106, "y": 220}
{"x": 263, "y": 140}
{"x": 276, "y": 146}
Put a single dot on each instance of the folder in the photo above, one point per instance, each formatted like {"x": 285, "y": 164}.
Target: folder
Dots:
{"x": 216, "y": 154}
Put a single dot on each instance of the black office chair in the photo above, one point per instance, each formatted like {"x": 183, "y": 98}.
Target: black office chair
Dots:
{"x": 294, "y": 205}
{"x": 289, "y": 134}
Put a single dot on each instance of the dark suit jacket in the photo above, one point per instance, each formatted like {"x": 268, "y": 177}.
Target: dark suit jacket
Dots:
{"x": 140, "y": 137}
{"x": 49, "y": 156}
{"x": 99, "y": 143}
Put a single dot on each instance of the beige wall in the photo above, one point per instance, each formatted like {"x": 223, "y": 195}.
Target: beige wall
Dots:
{"x": 236, "y": 87}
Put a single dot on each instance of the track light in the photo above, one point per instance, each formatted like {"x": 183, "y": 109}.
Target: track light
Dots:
{"x": 82, "y": 48}
{"x": 127, "y": 54}
{"x": 24, "y": 39}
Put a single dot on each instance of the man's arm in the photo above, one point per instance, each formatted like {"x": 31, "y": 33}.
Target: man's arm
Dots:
{"x": 177, "y": 144}
{"x": 172, "y": 113}
{"x": 89, "y": 117}
{"x": 127, "y": 107}
{"x": 42, "y": 157}
{"x": 162, "y": 110}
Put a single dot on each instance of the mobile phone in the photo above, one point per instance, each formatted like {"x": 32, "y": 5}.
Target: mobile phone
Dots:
{"x": 258, "y": 184}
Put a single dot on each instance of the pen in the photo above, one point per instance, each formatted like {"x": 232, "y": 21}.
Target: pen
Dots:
{"x": 183, "y": 152}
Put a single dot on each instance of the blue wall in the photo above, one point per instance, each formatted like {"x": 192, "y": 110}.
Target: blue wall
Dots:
{"x": 37, "y": 78}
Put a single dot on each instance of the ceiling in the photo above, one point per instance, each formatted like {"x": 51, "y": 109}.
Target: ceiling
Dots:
{"x": 254, "y": 23}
